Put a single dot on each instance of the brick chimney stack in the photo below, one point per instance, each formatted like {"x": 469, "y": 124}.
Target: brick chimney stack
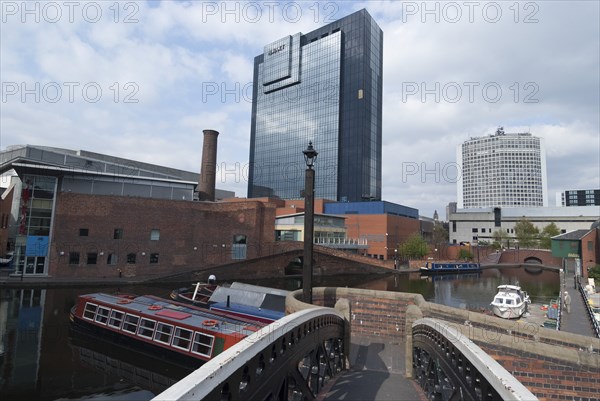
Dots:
{"x": 208, "y": 170}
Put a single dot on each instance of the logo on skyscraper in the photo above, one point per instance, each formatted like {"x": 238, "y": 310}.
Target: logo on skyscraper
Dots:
{"x": 281, "y": 65}
{"x": 276, "y": 50}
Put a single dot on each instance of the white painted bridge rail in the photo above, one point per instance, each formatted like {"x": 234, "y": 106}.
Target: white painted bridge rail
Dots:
{"x": 198, "y": 384}
{"x": 507, "y": 386}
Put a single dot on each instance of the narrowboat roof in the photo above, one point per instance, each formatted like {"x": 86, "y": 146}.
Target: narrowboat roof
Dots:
{"x": 175, "y": 313}
{"x": 249, "y": 310}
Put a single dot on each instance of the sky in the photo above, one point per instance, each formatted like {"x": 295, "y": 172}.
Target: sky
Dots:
{"x": 141, "y": 80}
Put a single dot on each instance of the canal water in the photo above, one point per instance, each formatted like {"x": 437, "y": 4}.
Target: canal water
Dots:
{"x": 41, "y": 359}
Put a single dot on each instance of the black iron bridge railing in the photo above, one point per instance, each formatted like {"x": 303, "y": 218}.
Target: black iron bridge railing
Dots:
{"x": 291, "y": 359}
{"x": 448, "y": 366}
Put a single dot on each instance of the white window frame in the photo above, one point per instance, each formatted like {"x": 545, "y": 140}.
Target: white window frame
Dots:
{"x": 210, "y": 346}
{"x": 100, "y": 316}
{"x": 113, "y": 318}
{"x": 140, "y": 328}
{"x": 157, "y": 332}
{"x": 86, "y": 310}
{"x": 177, "y": 337}
{"x": 126, "y": 322}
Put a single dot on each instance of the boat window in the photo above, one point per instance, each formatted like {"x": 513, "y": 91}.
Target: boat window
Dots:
{"x": 115, "y": 319}
{"x": 146, "y": 328}
{"x": 202, "y": 344}
{"x": 509, "y": 301}
{"x": 182, "y": 338}
{"x": 130, "y": 324}
{"x": 163, "y": 333}
{"x": 102, "y": 315}
{"x": 499, "y": 300}
{"x": 90, "y": 311}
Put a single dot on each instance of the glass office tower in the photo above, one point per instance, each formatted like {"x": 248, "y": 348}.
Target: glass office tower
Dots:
{"x": 324, "y": 87}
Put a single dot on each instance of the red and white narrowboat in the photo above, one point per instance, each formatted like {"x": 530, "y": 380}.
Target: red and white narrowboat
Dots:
{"x": 158, "y": 324}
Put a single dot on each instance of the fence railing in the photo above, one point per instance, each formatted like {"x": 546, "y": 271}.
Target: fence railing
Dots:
{"x": 449, "y": 366}
{"x": 590, "y": 309}
{"x": 292, "y": 358}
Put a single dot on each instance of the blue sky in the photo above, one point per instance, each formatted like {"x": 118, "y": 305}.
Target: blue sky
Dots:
{"x": 141, "y": 80}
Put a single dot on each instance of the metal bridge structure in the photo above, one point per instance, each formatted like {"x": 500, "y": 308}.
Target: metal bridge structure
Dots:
{"x": 448, "y": 366}
{"x": 290, "y": 359}
{"x": 295, "y": 358}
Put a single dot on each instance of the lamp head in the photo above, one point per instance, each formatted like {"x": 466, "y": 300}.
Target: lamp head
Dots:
{"x": 310, "y": 155}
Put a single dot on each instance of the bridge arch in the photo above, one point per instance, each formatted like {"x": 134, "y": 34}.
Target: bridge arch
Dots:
{"x": 449, "y": 366}
{"x": 292, "y": 358}
{"x": 515, "y": 345}
{"x": 533, "y": 259}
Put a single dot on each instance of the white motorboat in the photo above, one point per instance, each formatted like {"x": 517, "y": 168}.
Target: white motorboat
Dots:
{"x": 510, "y": 302}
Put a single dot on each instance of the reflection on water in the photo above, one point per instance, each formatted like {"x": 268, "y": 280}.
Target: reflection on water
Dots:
{"x": 125, "y": 394}
{"x": 38, "y": 362}
{"x": 473, "y": 291}
{"x": 41, "y": 360}
{"x": 132, "y": 367}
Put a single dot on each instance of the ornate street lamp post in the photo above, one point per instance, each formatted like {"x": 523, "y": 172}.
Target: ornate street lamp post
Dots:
{"x": 310, "y": 155}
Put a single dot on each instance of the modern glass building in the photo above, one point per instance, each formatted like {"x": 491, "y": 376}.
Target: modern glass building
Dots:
{"x": 324, "y": 87}
{"x": 502, "y": 170}
{"x": 580, "y": 197}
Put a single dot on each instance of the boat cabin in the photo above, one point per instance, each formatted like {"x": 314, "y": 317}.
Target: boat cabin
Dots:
{"x": 152, "y": 320}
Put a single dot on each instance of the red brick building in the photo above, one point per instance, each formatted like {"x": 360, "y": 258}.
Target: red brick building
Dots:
{"x": 383, "y": 232}
{"x": 102, "y": 235}
{"x": 80, "y": 214}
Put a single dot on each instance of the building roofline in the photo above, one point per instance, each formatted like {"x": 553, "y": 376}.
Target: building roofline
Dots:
{"x": 72, "y": 171}
{"x": 339, "y": 216}
{"x": 572, "y": 235}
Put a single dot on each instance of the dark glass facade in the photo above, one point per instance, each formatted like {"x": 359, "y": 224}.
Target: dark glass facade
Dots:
{"x": 324, "y": 87}
{"x": 589, "y": 197}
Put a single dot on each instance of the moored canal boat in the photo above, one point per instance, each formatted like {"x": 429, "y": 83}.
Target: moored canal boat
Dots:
{"x": 263, "y": 304}
{"x": 449, "y": 267}
{"x": 160, "y": 325}
{"x": 510, "y": 302}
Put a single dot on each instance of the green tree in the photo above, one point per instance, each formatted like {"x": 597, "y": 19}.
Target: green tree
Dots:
{"x": 414, "y": 247}
{"x": 464, "y": 254}
{"x": 526, "y": 233}
{"x": 439, "y": 239}
{"x": 548, "y": 232}
{"x": 594, "y": 273}
{"x": 440, "y": 235}
{"x": 500, "y": 239}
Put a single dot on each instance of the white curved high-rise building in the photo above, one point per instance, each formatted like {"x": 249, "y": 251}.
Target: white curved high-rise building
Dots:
{"x": 502, "y": 170}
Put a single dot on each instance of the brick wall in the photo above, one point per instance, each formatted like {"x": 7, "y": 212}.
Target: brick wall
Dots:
{"x": 374, "y": 227}
{"x": 590, "y": 251}
{"x": 521, "y": 255}
{"x": 192, "y": 234}
{"x": 280, "y": 254}
{"x": 546, "y": 377}
{"x": 377, "y": 317}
